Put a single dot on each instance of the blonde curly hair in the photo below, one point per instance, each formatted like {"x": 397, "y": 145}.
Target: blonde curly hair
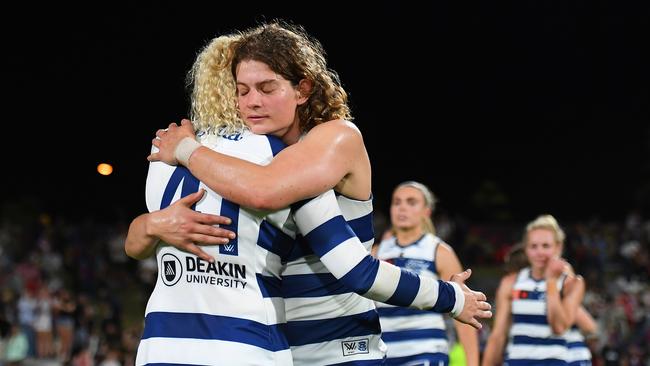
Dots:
{"x": 214, "y": 93}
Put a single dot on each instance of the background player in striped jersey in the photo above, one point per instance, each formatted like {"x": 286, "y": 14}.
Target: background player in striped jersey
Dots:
{"x": 288, "y": 93}
{"x": 579, "y": 353}
{"x": 413, "y": 336}
{"x": 536, "y": 305}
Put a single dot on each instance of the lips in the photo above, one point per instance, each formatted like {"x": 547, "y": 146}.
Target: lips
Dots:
{"x": 255, "y": 118}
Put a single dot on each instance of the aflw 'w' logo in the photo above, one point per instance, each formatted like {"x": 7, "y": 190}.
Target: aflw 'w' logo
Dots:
{"x": 355, "y": 347}
{"x": 229, "y": 247}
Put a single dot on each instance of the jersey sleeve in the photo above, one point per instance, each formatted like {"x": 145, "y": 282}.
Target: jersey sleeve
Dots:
{"x": 324, "y": 228}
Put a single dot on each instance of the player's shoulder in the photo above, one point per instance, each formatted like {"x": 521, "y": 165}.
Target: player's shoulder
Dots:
{"x": 339, "y": 127}
{"x": 509, "y": 280}
{"x": 443, "y": 246}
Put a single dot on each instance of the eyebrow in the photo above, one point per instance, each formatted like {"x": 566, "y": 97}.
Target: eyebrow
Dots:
{"x": 259, "y": 82}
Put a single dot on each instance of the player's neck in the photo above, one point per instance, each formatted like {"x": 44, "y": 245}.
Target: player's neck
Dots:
{"x": 408, "y": 236}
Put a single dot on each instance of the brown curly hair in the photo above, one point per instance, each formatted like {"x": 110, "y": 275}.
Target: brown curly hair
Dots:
{"x": 289, "y": 51}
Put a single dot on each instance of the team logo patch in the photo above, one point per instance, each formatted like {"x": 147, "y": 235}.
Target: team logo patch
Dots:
{"x": 355, "y": 347}
{"x": 519, "y": 294}
{"x": 528, "y": 295}
{"x": 416, "y": 265}
{"x": 172, "y": 269}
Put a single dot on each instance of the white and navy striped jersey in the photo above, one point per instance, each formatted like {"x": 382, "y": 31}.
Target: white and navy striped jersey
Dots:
{"x": 413, "y": 336}
{"x": 228, "y": 312}
{"x": 579, "y": 353}
{"x": 328, "y": 322}
{"x": 532, "y": 341}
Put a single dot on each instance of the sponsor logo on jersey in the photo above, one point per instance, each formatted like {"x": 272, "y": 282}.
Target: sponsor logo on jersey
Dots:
{"x": 218, "y": 273}
{"x": 198, "y": 271}
{"x": 172, "y": 269}
{"x": 355, "y": 347}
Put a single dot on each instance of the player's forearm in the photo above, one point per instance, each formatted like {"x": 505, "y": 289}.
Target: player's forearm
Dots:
{"x": 385, "y": 282}
{"x": 468, "y": 337}
{"x": 140, "y": 244}
{"x": 585, "y": 321}
{"x": 492, "y": 355}
{"x": 571, "y": 303}
{"x": 241, "y": 181}
{"x": 554, "y": 309}
{"x": 347, "y": 259}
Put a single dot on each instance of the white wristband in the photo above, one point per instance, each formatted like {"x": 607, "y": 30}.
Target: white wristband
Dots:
{"x": 185, "y": 149}
{"x": 460, "y": 300}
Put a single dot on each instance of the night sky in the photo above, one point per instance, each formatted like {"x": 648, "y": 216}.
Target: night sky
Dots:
{"x": 534, "y": 106}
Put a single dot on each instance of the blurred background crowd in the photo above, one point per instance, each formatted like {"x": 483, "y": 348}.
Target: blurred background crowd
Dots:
{"x": 70, "y": 295}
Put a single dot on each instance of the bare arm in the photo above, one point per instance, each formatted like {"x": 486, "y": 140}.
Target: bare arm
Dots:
{"x": 139, "y": 243}
{"x": 493, "y": 353}
{"x": 448, "y": 264}
{"x": 324, "y": 157}
{"x": 554, "y": 310}
{"x": 574, "y": 291}
{"x": 586, "y": 322}
{"x": 178, "y": 225}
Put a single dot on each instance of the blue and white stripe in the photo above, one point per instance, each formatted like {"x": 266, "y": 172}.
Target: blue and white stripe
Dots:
{"x": 327, "y": 321}
{"x": 579, "y": 353}
{"x": 324, "y": 317}
{"x": 205, "y": 314}
{"x": 413, "y": 335}
{"x": 532, "y": 341}
{"x": 321, "y": 295}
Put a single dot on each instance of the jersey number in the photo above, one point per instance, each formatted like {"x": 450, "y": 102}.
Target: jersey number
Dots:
{"x": 191, "y": 185}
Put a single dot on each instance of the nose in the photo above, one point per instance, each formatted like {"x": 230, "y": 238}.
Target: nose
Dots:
{"x": 252, "y": 99}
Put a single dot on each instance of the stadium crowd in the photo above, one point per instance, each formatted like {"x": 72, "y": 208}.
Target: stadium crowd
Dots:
{"x": 70, "y": 295}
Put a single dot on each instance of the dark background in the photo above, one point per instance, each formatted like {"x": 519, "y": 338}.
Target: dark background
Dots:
{"x": 529, "y": 106}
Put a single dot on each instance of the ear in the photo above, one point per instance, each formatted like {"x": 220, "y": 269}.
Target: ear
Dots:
{"x": 305, "y": 88}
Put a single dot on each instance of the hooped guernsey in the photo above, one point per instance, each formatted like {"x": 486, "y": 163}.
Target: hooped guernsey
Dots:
{"x": 233, "y": 311}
